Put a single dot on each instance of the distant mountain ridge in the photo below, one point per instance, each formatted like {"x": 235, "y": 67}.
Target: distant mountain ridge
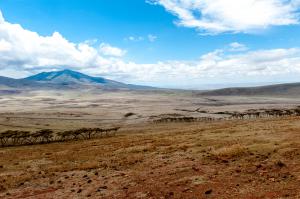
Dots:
{"x": 276, "y": 89}
{"x": 69, "y": 77}
{"x": 65, "y": 79}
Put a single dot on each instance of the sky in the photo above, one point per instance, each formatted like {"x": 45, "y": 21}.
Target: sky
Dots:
{"x": 166, "y": 43}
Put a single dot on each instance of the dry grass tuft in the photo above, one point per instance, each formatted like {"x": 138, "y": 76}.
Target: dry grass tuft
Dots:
{"x": 236, "y": 150}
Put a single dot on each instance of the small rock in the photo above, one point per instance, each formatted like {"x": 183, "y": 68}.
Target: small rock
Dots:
{"x": 208, "y": 192}
{"x": 280, "y": 164}
{"x": 195, "y": 169}
{"x": 103, "y": 187}
{"x": 186, "y": 189}
{"x": 2, "y": 188}
{"x": 258, "y": 166}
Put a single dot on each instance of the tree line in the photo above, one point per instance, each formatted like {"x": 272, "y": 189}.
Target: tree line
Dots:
{"x": 18, "y": 137}
{"x": 249, "y": 114}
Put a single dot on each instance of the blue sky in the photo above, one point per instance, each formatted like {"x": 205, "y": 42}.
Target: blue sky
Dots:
{"x": 168, "y": 43}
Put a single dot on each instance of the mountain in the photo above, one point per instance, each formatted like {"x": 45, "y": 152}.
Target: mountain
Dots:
{"x": 65, "y": 79}
{"x": 68, "y": 79}
{"x": 19, "y": 83}
{"x": 73, "y": 78}
{"x": 277, "y": 89}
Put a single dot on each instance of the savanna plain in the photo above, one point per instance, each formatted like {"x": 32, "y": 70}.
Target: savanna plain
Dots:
{"x": 149, "y": 144}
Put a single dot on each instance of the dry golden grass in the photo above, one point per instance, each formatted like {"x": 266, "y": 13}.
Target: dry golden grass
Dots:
{"x": 223, "y": 159}
{"x": 236, "y": 150}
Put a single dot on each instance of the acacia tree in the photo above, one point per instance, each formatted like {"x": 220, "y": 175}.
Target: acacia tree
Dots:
{"x": 24, "y": 137}
{"x": 98, "y": 131}
{"x": 46, "y": 135}
{"x": 77, "y": 133}
{"x": 65, "y": 135}
{"x": 6, "y": 136}
{"x": 87, "y": 132}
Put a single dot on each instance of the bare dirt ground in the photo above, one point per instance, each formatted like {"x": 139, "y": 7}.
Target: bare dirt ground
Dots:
{"x": 253, "y": 158}
{"x": 225, "y": 159}
{"x": 68, "y": 110}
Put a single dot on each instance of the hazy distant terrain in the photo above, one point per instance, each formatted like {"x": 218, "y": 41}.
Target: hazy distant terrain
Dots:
{"x": 172, "y": 143}
{"x": 70, "y": 108}
{"x": 68, "y": 98}
{"x": 291, "y": 89}
{"x": 65, "y": 79}
{"x": 72, "y": 80}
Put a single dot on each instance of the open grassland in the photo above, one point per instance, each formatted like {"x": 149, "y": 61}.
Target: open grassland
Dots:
{"x": 70, "y": 110}
{"x": 254, "y": 158}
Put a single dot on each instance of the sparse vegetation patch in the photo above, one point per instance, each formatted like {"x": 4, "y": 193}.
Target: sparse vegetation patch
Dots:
{"x": 17, "y": 138}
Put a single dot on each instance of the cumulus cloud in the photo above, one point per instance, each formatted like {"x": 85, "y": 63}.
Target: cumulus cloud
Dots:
{"x": 214, "y": 67}
{"x": 4, "y": 45}
{"x": 235, "y": 47}
{"x": 109, "y": 50}
{"x": 218, "y": 16}
{"x": 27, "y": 49}
{"x": 1, "y": 17}
{"x": 24, "y": 52}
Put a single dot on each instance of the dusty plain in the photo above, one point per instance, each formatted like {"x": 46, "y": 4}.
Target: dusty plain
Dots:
{"x": 221, "y": 158}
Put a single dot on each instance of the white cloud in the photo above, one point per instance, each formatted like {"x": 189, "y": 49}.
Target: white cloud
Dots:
{"x": 4, "y": 45}
{"x": 27, "y": 50}
{"x": 109, "y": 50}
{"x": 236, "y": 47}
{"x": 215, "y": 67}
{"x": 24, "y": 52}
{"x": 217, "y": 16}
{"x": 149, "y": 37}
{"x": 152, "y": 38}
{"x": 1, "y": 17}
{"x": 135, "y": 39}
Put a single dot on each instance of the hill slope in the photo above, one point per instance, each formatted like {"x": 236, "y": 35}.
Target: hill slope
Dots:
{"x": 278, "y": 89}
{"x": 6, "y": 82}
{"x": 65, "y": 79}
{"x": 69, "y": 77}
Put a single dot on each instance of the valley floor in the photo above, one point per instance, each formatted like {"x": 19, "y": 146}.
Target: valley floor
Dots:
{"x": 257, "y": 158}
